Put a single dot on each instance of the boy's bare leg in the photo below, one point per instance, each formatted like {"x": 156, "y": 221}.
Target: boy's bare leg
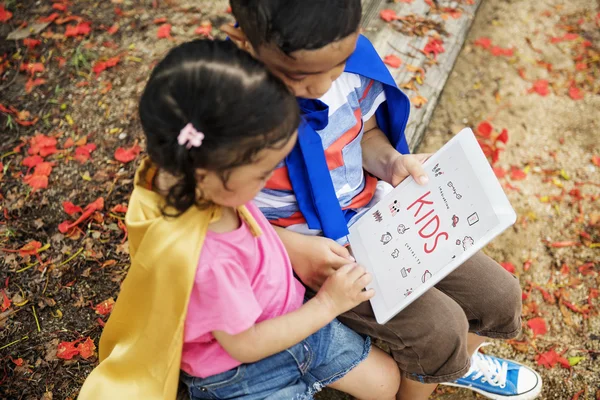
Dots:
{"x": 376, "y": 378}
{"x": 474, "y": 341}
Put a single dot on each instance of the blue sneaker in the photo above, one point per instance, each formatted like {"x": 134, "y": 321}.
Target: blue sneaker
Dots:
{"x": 499, "y": 379}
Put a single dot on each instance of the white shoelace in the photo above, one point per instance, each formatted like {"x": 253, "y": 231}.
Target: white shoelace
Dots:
{"x": 488, "y": 369}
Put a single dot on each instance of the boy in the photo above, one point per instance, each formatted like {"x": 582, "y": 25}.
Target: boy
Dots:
{"x": 355, "y": 119}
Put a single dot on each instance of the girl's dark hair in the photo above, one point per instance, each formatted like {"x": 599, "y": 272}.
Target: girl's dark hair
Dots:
{"x": 292, "y": 25}
{"x": 227, "y": 95}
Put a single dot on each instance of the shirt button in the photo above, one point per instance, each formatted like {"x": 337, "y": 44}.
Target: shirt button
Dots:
{"x": 203, "y": 389}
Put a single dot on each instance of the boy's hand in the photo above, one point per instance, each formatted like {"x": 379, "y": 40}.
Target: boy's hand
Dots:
{"x": 314, "y": 258}
{"x": 405, "y": 165}
{"x": 343, "y": 290}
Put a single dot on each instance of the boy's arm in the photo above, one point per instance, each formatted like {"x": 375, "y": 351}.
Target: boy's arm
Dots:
{"x": 381, "y": 159}
{"x": 314, "y": 258}
{"x": 342, "y": 292}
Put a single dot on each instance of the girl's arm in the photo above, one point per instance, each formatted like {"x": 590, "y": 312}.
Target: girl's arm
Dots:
{"x": 340, "y": 293}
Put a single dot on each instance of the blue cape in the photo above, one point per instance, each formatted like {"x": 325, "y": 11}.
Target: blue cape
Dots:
{"x": 307, "y": 167}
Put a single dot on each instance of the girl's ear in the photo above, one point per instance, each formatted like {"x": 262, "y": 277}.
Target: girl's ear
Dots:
{"x": 237, "y": 36}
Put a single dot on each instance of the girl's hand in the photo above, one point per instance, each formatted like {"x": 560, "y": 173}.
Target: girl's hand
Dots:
{"x": 344, "y": 290}
{"x": 314, "y": 258}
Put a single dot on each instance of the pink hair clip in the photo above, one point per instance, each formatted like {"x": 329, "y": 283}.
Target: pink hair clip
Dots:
{"x": 190, "y": 137}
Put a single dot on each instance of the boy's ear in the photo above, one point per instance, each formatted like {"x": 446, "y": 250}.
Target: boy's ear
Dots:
{"x": 237, "y": 36}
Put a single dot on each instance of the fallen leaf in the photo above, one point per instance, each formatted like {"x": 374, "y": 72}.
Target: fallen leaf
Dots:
{"x": 540, "y": 87}
{"x": 537, "y": 326}
{"x": 36, "y": 181}
{"x": 550, "y": 358}
{"x": 44, "y": 168}
{"x": 418, "y": 101}
{"x": 204, "y": 29}
{"x": 42, "y": 145}
{"x": 71, "y": 208}
{"x": 575, "y": 93}
{"x": 160, "y": 20}
{"x": 503, "y": 136}
{"x": 119, "y": 208}
{"x": 81, "y": 29}
{"x": 164, "y": 31}
{"x": 18, "y": 362}
{"x": 508, "y": 266}
{"x": 483, "y": 42}
{"x": 596, "y": 161}
{"x": 517, "y": 174}
{"x": 126, "y": 155}
{"x": 434, "y": 46}
{"x": 30, "y": 248}
{"x": 5, "y": 302}
{"x": 32, "y": 161}
{"x": 103, "y": 65}
{"x": 388, "y": 15}
{"x": 113, "y": 29}
{"x": 67, "y": 350}
{"x": 32, "y": 68}
{"x": 485, "y": 129}
{"x": 575, "y": 360}
{"x": 59, "y": 6}
{"x": 83, "y": 153}
{"x": 499, "y": 51}
{"x": 49, "y": 18}
{"x": 86, "y": 349}
{"x": 31, "y": 43}
{"x": 105, "y": 307}
{"x": 90, "y": 209}
{"x": 5, "y": 15}
{"x": 393, "y": 61}
{"x": 500, "y": 172}
{"x": 31, "y": 83}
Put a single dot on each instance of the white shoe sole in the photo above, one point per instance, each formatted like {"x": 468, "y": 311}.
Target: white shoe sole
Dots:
{"x": 532, "y": 394}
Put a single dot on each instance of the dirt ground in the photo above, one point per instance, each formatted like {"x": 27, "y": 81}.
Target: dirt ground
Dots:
{"x": 71, "y": 100}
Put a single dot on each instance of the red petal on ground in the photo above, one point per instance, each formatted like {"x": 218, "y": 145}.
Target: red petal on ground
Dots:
{"x": 575, "y": 93}
{"x": 508, "y": 266}
{"x": 164, "y": 31}
{"x": 46, "y": 151}
{"x": 204, "y": 29}
{"x": 393, "y": 61}
{"x": 113, "y": 29}
{"x": 517, "y": 174}
{"x": 39, "y": 142}
{"x": 18, "y": 362}
{"x": 59, "y": 6}
{"x": 5, "y": 15}
{"x": 36, "y": 181}
{"x": 95, "y": 205}
{"x": 500, "y": 172}
{"x": 499, "y": 51}
{"x": 68, "y": 143}
{"x": 86, "y": 349}
{"x": 485, "y": 129}
{"x": 483, "y": 42}
{"x": 119, "y": 208}
{"x": 550, "y": 358}
{"x": 100, "y": 322}
{"x": 67, "y": 350}
{"x": 32, "y": 68}
{"x": 71, "y": 208}
{"x": 64, "y": 226}
{"x": 32, "y": 161}
{"x": 581, "y": 66}
{"x": 5, "y": 302}
{"x": 388, "y": 15}
{"x": 160, "y": 20}
{"x": 434, "y": 46}
{"x": 31, "y": 83}
{"x": 503, "y": 136}
{"x": 44, "y": 168}
{"x": 103, "y": 65}
{"x": 83, "y": 153}
{"x": 571, "y": 36}
{"x": 81, "y": 29}
{"x": 596, "y": 161}
{"x": 30, "y": 248}
{"x": 540, "y": 87}
{"x": 105, "y": 307}
{"x": 49, "y": 18}
{"x": 31, "y": 43}
{"x": 537, "y": 326}
{"x": 126, "y": 155}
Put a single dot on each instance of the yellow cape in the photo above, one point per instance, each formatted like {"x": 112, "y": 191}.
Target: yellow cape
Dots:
{"x": 140, "y": 348}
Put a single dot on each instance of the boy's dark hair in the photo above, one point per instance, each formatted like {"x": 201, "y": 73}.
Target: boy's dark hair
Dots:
{"x": 227, "y": 95}
{"x": 293, "y": 25}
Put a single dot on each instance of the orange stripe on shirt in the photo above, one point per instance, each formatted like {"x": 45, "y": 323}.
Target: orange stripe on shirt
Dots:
{"x": 295, "y": 218}
{"x": 280, "y": 180}
{"x": 364, "y": 96}
{"x": 364, "y": 197}
{"x": 333, "y": 154}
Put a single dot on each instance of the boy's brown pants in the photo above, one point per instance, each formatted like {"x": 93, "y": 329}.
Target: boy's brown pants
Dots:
{"x": 428, "y": 339}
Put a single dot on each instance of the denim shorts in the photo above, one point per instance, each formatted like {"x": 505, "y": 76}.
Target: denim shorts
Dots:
{"x": 296, "y": 373}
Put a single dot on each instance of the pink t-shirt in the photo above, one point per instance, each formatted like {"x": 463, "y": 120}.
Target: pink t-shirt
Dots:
{"x": 241, "y": 280}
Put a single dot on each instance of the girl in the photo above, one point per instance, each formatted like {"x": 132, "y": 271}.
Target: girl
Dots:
{"x": 211, "y": 289}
